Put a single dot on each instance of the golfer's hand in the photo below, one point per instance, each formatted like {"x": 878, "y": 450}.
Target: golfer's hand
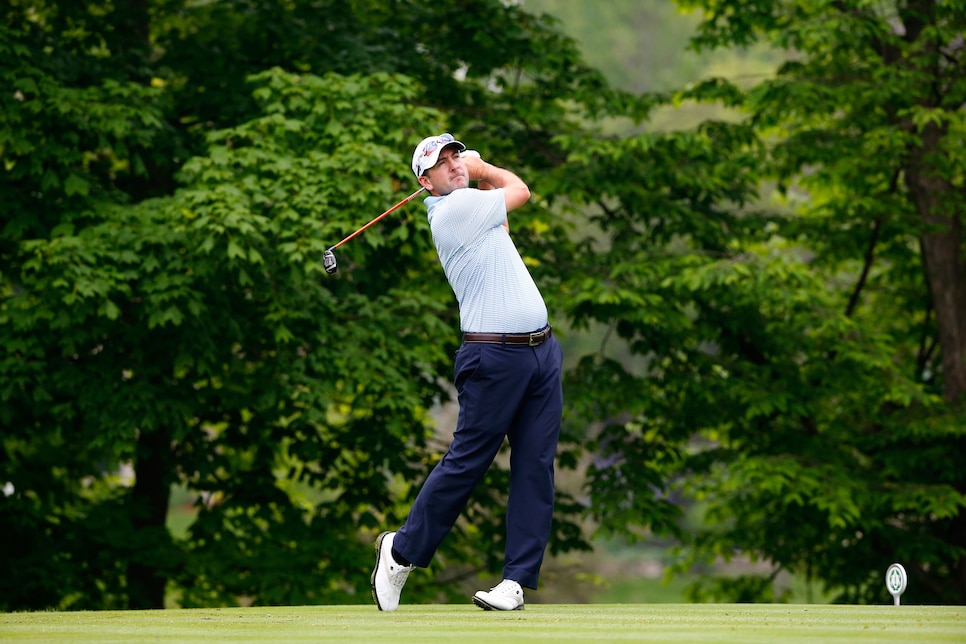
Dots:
{"x": 474, "y": 168}
{"x": 480, "y": 183}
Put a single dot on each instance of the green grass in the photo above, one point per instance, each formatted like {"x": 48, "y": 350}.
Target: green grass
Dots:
{"x": 747, "y": 623}
{"x": 646, "y": 590}
{"x": 642, "y": 590}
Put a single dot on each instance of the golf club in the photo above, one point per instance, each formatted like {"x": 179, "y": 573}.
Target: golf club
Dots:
{"x": 328, "y": 257}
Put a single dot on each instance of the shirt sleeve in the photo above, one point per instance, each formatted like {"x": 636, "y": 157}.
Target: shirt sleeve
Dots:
{"x": 472, "y": 213}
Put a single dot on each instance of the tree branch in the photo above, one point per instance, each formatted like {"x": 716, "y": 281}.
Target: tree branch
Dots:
{"x": 869, "y": 253}
{"x": 866, "y": 266}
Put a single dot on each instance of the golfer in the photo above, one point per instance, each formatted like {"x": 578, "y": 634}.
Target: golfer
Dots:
{"x": 508, "y": 379}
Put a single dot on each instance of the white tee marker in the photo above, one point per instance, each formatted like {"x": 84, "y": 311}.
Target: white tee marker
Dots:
{"x": 896, "y": 581}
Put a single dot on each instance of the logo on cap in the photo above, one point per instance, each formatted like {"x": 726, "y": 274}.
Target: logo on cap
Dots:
{"x": 442, "y": 139}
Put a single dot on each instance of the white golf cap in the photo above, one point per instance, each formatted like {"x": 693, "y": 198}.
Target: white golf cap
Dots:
{"x": 427, "y": 152}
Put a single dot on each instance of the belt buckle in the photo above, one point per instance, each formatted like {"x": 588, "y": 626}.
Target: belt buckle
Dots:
{"x": 539, "y": 333}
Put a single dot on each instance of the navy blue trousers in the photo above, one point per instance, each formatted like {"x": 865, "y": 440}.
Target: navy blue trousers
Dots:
{"x": 504, "y": 391}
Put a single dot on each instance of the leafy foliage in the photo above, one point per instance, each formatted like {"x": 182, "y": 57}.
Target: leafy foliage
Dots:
{"x": 173, "y": 171}
{"x": 778, "y": 387}
{"x": 154, "y": 336}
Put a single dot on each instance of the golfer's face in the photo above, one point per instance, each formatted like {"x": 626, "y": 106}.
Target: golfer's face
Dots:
{"x": 449, "y": 173}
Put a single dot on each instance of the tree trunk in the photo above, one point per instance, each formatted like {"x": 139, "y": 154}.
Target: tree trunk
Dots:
{"x": 942, "y": 251}
{"x": 146, "y": 571}
{"x": 146, "y": 577}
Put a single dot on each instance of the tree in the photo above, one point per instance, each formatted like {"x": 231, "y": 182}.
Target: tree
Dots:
{"x": 199, "y": 340}
{"x": 168, "y": 193}
{"x": 172, "y": 172}
{"x": 800, "y": 370}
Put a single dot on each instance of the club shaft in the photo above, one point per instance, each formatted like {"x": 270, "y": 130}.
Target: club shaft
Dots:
{"x": 401, "y": 203}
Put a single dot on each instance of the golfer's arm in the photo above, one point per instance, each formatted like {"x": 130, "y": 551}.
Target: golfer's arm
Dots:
{"x": 515, "y": 192}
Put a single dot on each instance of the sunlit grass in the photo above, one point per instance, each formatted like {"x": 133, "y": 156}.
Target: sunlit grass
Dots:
{"x": 750, "y": 623}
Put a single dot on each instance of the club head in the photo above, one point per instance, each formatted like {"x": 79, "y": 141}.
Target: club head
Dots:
{"x": 329, "y": 263}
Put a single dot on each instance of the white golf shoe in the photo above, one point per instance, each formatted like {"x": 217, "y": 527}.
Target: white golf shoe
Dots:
{"x": 507, "y": 595}
{"x": 388, "y": 577}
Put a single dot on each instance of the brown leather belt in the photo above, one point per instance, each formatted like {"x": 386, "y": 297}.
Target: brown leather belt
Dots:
{"x": 526, "y": 339}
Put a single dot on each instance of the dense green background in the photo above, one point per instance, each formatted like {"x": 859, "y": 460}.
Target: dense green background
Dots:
{"x": 753, "y": 254}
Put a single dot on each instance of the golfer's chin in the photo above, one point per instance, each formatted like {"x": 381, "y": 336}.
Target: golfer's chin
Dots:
{"x": 457, "y": 183}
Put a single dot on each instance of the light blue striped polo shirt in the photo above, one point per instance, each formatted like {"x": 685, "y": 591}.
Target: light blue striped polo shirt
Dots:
{"x": 495, "y": 291}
